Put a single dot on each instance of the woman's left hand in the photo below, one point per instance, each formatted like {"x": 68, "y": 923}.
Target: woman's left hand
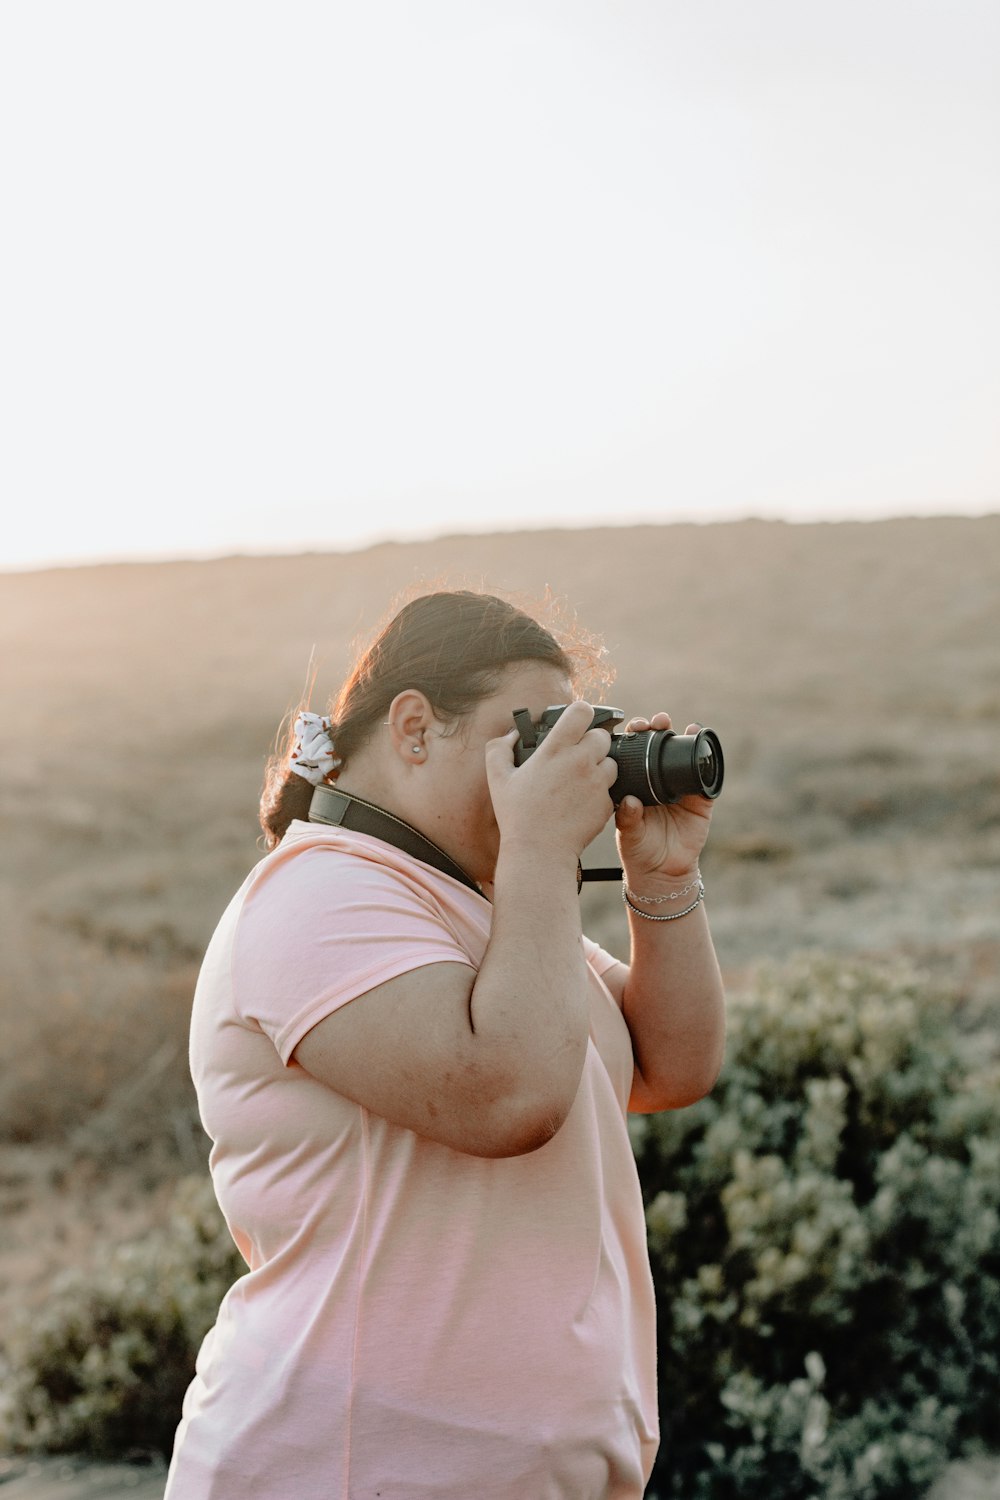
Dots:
{"x": 664, "y": 841}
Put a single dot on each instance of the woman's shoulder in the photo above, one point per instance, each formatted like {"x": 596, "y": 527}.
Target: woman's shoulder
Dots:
{"x": 320, "y": 885}
{"x": 329, "y": 860}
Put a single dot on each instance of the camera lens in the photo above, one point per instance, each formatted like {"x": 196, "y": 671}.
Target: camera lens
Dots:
{"x": 658, "y": 766}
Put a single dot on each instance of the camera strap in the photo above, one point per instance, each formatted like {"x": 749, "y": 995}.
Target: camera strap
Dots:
{"x": 341, "y": 810}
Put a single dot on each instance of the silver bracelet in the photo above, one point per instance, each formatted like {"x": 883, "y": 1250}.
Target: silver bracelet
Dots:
{"x": 672, "y": 916}
{"x": 673, "y": 896}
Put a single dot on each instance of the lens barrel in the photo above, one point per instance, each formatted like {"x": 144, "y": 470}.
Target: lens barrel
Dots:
{"x": 659, "y": 766}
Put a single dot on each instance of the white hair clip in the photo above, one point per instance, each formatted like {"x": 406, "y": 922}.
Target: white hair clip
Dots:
{"x": 312, "y": 754}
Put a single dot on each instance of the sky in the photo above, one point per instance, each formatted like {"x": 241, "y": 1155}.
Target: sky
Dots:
{"x": 289, "y": 276}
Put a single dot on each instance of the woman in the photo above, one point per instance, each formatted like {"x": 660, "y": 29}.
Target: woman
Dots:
{"x": 416, "y": 1073}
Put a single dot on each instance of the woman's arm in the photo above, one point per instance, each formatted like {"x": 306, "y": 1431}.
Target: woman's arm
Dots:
{"x": 671, "y": 991}
{"x": 672, "y": 998}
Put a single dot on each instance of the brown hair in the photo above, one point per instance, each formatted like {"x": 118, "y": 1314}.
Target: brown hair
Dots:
{"x": 452, "y": 646}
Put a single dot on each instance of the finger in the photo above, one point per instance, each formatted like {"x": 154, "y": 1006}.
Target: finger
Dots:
{"x": 571, "y": 725}
{"x": 500, "y": 752}
{"x": 694, "y": 802}
{"x": 639, "y": 724}
{"x": 628, "y": 815}
{"x": 600, "y": 739}
{"x": 693, "y": 728}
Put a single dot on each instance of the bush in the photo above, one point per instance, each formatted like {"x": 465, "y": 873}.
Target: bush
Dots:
{"x": 104, "y": 1369}
{"x": 825, "y": 1239}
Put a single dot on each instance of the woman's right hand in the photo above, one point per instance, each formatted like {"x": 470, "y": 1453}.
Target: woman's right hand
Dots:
{"x": 558, "y": 799}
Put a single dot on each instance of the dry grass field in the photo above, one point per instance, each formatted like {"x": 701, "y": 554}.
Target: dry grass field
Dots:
{"x": 852, "y": 671}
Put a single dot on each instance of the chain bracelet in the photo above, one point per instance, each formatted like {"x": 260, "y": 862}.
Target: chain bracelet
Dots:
{"x": 671, "y": 916}
{"x": 659, "y": 900}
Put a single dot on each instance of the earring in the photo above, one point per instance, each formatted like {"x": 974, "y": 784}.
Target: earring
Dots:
{"x": 417, "y": 749}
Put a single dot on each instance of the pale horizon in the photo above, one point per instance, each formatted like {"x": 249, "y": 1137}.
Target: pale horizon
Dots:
{"x": 324, "y": 547}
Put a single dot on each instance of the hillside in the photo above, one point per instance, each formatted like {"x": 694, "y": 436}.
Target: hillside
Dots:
{"x": 852, "y": 671}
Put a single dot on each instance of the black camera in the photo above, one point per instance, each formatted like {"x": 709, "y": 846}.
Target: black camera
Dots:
{"x": 655, "y": 765}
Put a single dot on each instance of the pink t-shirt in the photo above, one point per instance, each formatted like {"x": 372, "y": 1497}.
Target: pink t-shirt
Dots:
{"x": 415, "y": 1321}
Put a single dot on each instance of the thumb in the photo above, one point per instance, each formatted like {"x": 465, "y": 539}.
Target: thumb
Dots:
{"x": 628, "y": 817}
{"x": 500, "y": 753}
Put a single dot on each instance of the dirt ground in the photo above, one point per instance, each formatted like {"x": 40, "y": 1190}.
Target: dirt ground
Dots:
{"x": 978, "y": 1479}
{"x": 78, "y": 1479}
{"x": 74, "y": 1479}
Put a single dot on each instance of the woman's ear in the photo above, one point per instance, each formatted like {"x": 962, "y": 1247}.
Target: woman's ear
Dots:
{"x": 408, "y": 721}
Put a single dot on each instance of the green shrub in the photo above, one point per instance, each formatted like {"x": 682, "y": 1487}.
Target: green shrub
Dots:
{"x": 104, "y": 1368}
{"x": 825, "y": 1238}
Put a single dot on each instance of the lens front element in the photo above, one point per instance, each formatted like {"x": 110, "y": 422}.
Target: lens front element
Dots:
{"x": 708, "y": 762}
{"x": 683, "y": 765}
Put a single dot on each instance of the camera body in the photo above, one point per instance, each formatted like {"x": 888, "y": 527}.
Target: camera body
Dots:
{"x": 655, "y": 765}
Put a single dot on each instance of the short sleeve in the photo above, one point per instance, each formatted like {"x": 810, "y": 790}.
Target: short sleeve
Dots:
{"x": 598, "y": 959}
{"x": 318, "y": 930}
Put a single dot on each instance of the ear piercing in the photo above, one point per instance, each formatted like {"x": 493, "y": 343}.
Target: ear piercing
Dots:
{"x": 417, "y": 749}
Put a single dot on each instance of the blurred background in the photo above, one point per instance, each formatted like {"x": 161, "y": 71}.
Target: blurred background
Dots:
{"x": 686, "y": 315}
